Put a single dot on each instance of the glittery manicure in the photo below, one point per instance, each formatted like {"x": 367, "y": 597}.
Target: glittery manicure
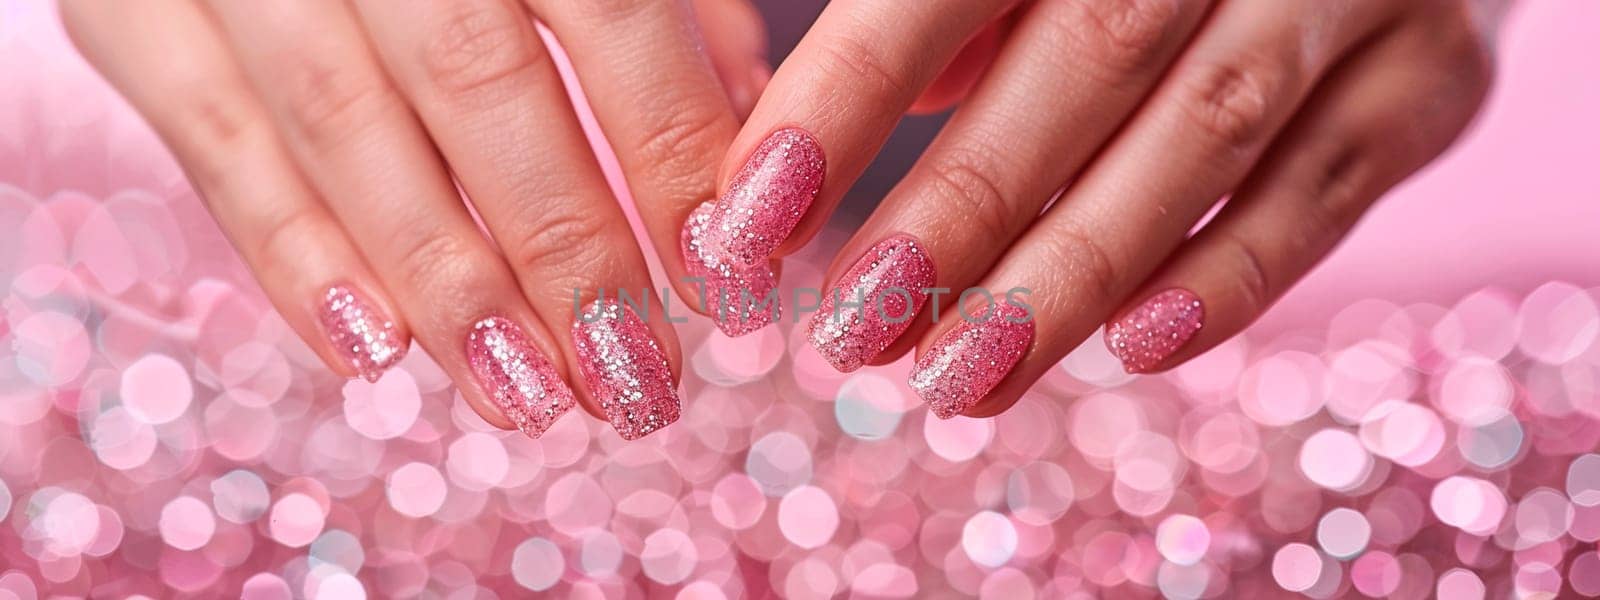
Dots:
{"x": 873, "y": 304}
{"x": 625, "y": 368}
{"x": 360, "y": 333}
{"x": 967, "y": 362}
{"x": 519, "y": 379}
{"x": 733, "y": 295}
{"x": 1154, "y": 331}
{"x": 768, "y": 197}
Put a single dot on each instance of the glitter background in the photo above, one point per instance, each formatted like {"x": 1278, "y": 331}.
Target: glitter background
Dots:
{"x": 1420, "y": 417}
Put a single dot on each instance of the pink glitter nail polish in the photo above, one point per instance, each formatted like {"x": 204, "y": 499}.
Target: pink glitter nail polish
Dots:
{"x": 968, "y": 361}
{"x": 365, "y": 337}
{"x": 873, "y": 304}
{"x": 734, "y": 295}
{"x": 1154, "y": 331}
{"x": 768, "y": 197}
{"x": 625, "y": 368}
{"x": 520, "y": 380}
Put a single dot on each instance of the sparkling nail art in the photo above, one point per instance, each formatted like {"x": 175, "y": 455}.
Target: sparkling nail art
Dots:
{"x": 768, "y": 197}
{"x": 726, "y": 286}
{"x": 968, "y": 361}
{"x": 360, "y": 333}
{"x": 1150, "y": 334}
{"x": 626, "y": 370}
{"x": 873, "y": 304}
{"x": 517, "y": 376}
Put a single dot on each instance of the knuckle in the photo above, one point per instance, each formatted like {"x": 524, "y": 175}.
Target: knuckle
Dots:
{"x": 325, "y": 101}
{"x": 1126, "y": 34}
{"x": 611, "y": 11}
{"x": 1251, "y": 274}
{"x": 214, "y": 120}
{"x": 970, "y": 188}
{"x": 676, "y": 146}
{"x": 434, "y": 255}
{"x": 475, "y": 46}
{"x": 1233, "y": 103}
{"x": 1085, "y": 263}
{"x": 847, "y": 57}
{"x": 285, "y": 238}
{"x": 558, "y": 241}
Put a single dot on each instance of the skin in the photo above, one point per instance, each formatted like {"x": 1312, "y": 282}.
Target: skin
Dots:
{"x": 328, "y": 139}
{"x": 1092, "y": 136}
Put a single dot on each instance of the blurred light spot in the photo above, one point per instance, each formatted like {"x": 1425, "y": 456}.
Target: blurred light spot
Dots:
{"x": 1492, "y": 445}
{"x": 1179, "y": 581}
{"x": 1101, "y": 422}
{"x": 5, "y": 500}
{"x": 51, "y": 348}
{"x": 340, "y": 548}
{"x": 384, "y": 409}
{"x": 156, "y": 389}
{"x": 120, "y": 441}
{"x": 240, "y": 496}
{"x": 265, "y": 586}
{"x": 340, "y": 586}
{"x": 885, "y": 580}
{"x": 1408, "y": 434}
{"x": 668, "y": 557}
{"x": 779, "y": 462}
{"x": 1343, "y": 533}
{"x": 1475, "y": 391}
{"x": 737, "y": 502}
{"x": 1376, "y": 574}
{"x": 537, "y": 564}
{"x": 959, "y": 439}
{"x": 700, "y": 590}
{"x": 1543, "y": 515}
{"x": 808, "y": 517}
{"x": 1007, "y": 583}
{"x": 1470, "y": 504}
{"x": 187, "y": 523}
{"x": 69, "y": 523}
{"x": 416, "y": 490}
{"x": 868, "y": 406}
{"x": 1460, "y": 584}
{"x": 1183, "y": 539}
{"x": 478, "y": 461}
{"x": 1334, "y": 459}
{"x": 1039, "y": 492}
{"x": 601, "y": 553}
{"x": 1583, "y": 480}
{"x": 1585, "y": 574}
{"x": 1296, "y": 567}
{"x": 575, "y": 503}
{"x": 296, "y": 520}
{"x": 1282, "y": 389}
{"x": 810, "y": 579}
{"x": 1557, "y": 323}
{"x": 989, "y": 539}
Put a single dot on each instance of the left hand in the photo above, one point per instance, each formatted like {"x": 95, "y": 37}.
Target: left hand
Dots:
{"x": 1135, "y": 116}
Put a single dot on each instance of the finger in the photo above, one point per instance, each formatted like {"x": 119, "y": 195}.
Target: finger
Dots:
{"x": 736, "y": 40}
{"x": 487, "y": 91}
{"x": 1351, "y": 144}
{"x": 1191, "y": 141}
{"x": 963, "y": 73}
{"x": 1001, "y": 158}
{"x": 204, "y": 109}
{"x": 355, "y": 139}
{"x": 826, "y": 113}
{"x": 667, "y": 118}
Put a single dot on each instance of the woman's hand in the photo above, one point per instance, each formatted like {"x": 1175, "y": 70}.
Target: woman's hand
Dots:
{"x": 328, "y": 138}
{"x": 1095, "y": 137}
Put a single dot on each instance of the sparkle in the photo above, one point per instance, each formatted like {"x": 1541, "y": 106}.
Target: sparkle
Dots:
{"x": 768, "y": 197}
{"x": 626, "y": 370}
{"x": 734, "y": 295}
{"x": 873, "y": 304}
{"x": 520, "y": 380}
{"x": 967, "y": 362}
{"x": 367, "y": 339}
{"x": 1153, "y": 332}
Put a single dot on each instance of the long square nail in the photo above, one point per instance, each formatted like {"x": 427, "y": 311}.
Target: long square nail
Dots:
{"x": 364, "y": 336}
{"x": 768, "y": 197}
{"x": 970, "y": 360}
{"x": 1150, "y": 334}
{"x": 735, "y": 296}
{"x": 625, "y": 368}
{"x": 520, "y": 380}
{"x": 873, "y": 304}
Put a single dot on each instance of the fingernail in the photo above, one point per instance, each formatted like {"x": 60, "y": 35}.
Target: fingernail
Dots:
{"x": 736, "y": 297}
{"x": 518, "y": 377}
{"x": 873, "y": 304}
{"x": 365, "y": 337}
{"x": 768, "y": 197}
{"x": 967, "y": 362}
{"x": 1152, "y": 333}
{"x": 625, "y": 368}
